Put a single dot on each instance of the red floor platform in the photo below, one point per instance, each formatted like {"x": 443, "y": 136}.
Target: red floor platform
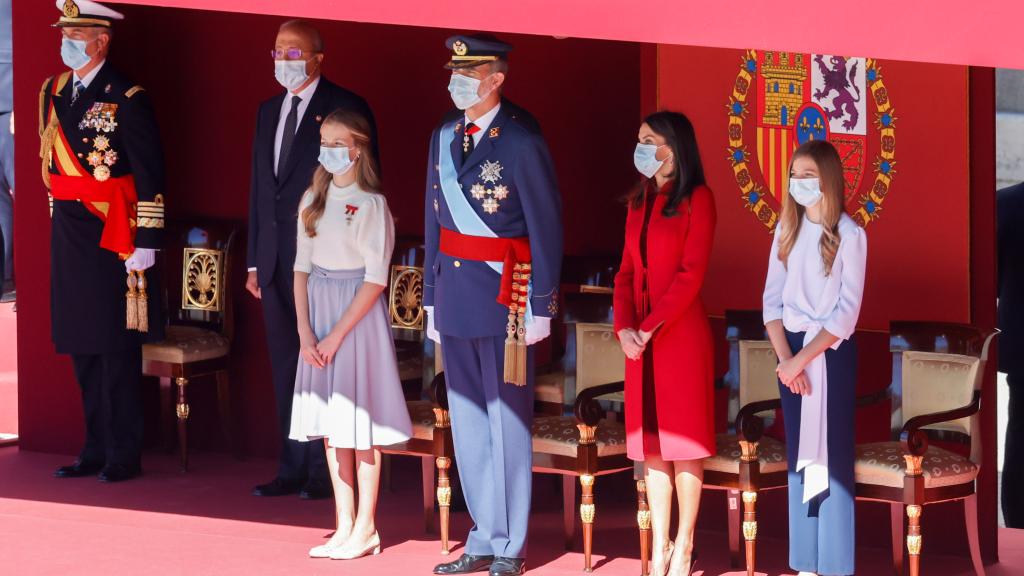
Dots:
{"x": 205, "y": 522}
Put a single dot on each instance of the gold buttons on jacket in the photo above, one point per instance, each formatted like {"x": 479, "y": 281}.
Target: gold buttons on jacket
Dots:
{"x": 458, "y": 264}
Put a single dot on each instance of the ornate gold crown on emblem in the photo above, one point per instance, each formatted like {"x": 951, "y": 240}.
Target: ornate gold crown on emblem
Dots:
{"x": 459, "y": 47}
{"x": 70, "y": 9}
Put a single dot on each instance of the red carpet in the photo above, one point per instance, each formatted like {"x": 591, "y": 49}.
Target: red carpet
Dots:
{"x": 205, "y": 522}
{"x": 8, "y": 371}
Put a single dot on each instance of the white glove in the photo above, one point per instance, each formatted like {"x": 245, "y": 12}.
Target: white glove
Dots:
{"x": 141, "y": 259}
{"x": 432, "y": 332}
{"x": 537, "y": 330}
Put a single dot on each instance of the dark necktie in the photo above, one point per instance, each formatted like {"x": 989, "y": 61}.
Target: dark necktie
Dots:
{"x": 467, "y": 140}
{"x": 290, "y": 123}
{"x": 78, "y": 88}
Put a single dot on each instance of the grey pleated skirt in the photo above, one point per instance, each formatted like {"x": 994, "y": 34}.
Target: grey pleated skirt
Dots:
{"x": 356, "y": 401}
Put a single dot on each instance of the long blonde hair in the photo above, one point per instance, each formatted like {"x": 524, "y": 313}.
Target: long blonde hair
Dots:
{"x": 367, "y": 170}
{"x": 830, "y": 173}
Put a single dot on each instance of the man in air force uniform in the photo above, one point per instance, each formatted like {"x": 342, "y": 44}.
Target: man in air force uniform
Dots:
{"x": 494, "y": 246}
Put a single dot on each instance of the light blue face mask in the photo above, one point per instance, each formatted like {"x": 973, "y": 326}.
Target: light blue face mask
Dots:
{"x": 806, "y": 191}
{"x": 72, "y": 52}
{"x": 465, "y": 91}
{"x": 335, "y": 160}
{"x": 290, "y": 73}
{"x": 645, "y": 160}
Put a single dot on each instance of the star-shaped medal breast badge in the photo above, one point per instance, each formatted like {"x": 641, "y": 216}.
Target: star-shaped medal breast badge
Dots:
{"x": 478, "y": 191}
{"x": 490, "y": 172}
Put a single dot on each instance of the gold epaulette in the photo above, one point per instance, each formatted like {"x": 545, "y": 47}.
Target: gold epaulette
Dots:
{"x": 133, "y": 91}
{"x": 42, "y": 104}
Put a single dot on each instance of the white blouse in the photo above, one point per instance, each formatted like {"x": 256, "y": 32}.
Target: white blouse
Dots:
{"x": 806, "y": 300}
{"x": 355, "y": 231}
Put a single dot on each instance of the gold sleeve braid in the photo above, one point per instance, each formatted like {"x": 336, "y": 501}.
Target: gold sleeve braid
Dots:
{"x": 151, "y": 214}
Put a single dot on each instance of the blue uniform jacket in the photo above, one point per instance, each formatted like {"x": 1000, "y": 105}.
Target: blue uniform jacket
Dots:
{"x": 463, "y": 293}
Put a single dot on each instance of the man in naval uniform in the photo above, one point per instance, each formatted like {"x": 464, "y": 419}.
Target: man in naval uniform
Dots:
{"x": 493, "y": 257}
{"x": 103, "y": 165}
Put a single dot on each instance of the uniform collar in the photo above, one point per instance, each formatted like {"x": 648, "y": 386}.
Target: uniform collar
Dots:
{"x": 90, "y": 76}
{"x": 484, "y": 121}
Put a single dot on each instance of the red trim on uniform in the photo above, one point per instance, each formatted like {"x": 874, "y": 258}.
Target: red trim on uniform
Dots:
{"x": 509, "y": 251}
{"x": 119, "y": 193}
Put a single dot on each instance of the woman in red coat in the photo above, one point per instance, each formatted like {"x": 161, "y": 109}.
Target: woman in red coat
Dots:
{"x": 664, "y": 331}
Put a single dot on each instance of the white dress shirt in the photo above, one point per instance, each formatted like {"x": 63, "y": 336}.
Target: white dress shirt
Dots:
{"x": 88, "y": 78}
{"x": 286, "y": 106}
{"x": 806, "y": 300}
{"x": 484, "y": 122}
{"x": 355, "y": 231}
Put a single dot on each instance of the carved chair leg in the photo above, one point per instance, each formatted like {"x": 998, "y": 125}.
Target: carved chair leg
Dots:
{"x": 643, "y": 522}
{"x": 224, "y": 407}
{"x": 167, "y": 414}
{"x": 733, "y": 512}
{"x": 427, "y": 469}
{"x": 569, "y": 509}
{"x": 183, "y": 413}
{"x": 971, "y": 519}
{"x": 444, "y": 499}
{"x": 914, "y": 538}
{"x": 896, "y": 519}
{"x": 587, "y": 516}
{"x": 750, "y": 529}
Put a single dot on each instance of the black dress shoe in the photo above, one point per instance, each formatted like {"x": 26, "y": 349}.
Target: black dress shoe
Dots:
{"x": 466, "y": 564}
{"x": 277, "y": 487}
{"x": 508, "y": 566}
{"x": 79, "y": 469}
{"x": 118, "y": 473}
{"x": 316, "y": 490}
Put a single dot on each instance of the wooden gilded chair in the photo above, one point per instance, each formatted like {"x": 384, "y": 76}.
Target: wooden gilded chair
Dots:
{"x": 431, "y": 439}
{"x": 938, "y": 369}
{"x": 200, "y": 327}
{"x": 591, "y": 442}
{"x": 745, "y": 462}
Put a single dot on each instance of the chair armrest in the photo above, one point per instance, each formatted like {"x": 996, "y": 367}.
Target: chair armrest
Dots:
{"x": 586, "y": 408}
{"x": 439, "y": 391}
{"x": 873, "y": 398}
{"x": 750, "y": 426}
{"x": 915, "y": 441}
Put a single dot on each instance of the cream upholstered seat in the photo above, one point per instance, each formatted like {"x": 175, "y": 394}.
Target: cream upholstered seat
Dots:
{"x": 771, "y": 455}
{"x": 882, "y": 464}
{"x": 559, "y": 435}
{"x": 184, "y": 344}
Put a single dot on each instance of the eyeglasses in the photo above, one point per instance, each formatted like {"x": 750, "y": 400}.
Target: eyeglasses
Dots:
{"x": 290, "y": 53}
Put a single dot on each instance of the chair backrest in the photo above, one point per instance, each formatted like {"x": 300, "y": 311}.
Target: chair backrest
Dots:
{"x": 758, "y": 380}
{"x": 599, "y": 357}
{"x": 405, "y": 294}
{"x": 747, "y": 326}
{"x": 937, "y": 367}
{"x": 594, "y": 274}
{"x": 203, "y": 252}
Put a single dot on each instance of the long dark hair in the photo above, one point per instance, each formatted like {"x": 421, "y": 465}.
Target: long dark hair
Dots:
{"x": 366, "y": 167}
{"x": 688, "y": 171}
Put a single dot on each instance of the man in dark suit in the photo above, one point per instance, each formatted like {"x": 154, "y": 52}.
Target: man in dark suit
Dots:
{"x": 493, "y": 226}
{"x": 103, "y": 165}
{"x": 285, "y": 155}
{"x": 1010, "y": 233}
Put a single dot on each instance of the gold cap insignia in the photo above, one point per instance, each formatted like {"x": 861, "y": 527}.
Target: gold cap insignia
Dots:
{"x": 70, "y": 9}
{"x": 459, "y": 47}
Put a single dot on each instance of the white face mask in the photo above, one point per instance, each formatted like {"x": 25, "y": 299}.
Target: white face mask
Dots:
{"x": 806, "y": 191}
{"x": 73, "y": 53}
{"x": 465, "y": 91}
{"x": 290, "y": 73}
{"x": 336, "y": 160}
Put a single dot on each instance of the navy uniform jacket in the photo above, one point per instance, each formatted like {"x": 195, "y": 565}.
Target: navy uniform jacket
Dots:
{"x": 87, "y": 295}
{"x": 464, "y": 296}
{"x": 1010, "y": 234}
{"x": 274, "y": 200}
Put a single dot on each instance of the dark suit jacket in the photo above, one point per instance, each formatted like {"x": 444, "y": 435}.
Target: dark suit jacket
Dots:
{"x": 1010, "y": 231}
{"x": 274, "y": 200}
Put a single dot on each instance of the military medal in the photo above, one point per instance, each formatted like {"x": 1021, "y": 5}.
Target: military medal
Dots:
{"x": 350, "y": 212}
{"x": 490, "y": 173}
{"x": 101, "y": 173}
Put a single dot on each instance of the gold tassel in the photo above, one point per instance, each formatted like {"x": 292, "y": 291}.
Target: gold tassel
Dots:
{"x": 131, "y": 308}
{"x": 143, "y": 303}
{"x": 510, "y": 344}
{"x": 521, "y": 348}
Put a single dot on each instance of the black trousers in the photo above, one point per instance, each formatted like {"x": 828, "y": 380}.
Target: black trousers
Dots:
{"x": 1013, "y": 463}
{"x": 299, "y": 461}
{"x": 112, "y": 398}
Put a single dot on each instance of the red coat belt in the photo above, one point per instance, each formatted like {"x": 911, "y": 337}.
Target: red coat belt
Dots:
{"x": 510, "y": 251}
{"x": 121, "y": 203}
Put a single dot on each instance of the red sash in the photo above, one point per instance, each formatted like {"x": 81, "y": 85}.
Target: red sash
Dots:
{"x": 510, "y": 251}
{"x": 114, "y": 201}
